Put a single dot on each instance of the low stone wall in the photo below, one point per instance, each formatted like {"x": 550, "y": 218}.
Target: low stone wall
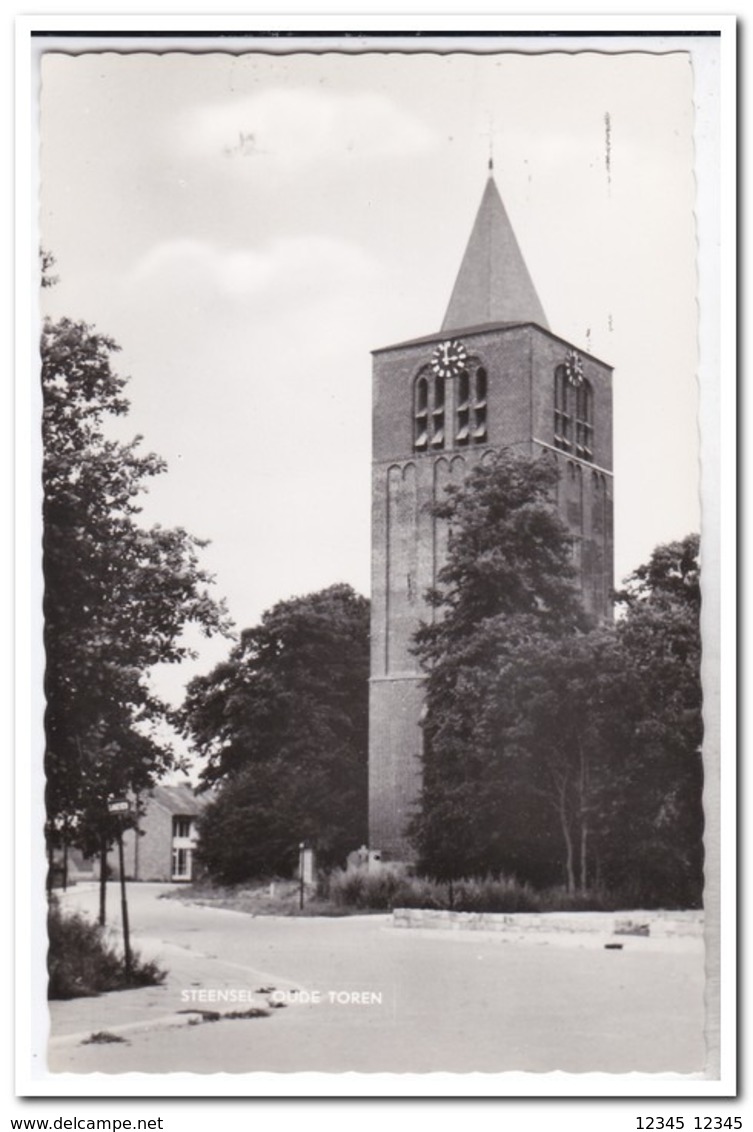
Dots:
{"x": 656, "y": 924}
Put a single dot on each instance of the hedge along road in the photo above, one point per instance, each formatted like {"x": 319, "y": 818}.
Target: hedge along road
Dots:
{"x": 358, "y": 994}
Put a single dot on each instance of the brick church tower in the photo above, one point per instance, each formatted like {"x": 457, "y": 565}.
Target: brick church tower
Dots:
{"x": 493, "y": 377}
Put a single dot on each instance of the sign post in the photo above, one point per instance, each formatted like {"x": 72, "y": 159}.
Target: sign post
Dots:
{"x": 305, "y": 869}
{"x": 301, "y": 850}
{"x": 122, "y": 806}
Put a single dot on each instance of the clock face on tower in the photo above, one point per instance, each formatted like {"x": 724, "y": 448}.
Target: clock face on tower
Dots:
{"x": 449, "y": 358}
{"x": 574, "y": 369}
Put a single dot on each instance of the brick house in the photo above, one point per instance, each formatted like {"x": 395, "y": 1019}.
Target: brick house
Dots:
{"x": 163, "y": 845}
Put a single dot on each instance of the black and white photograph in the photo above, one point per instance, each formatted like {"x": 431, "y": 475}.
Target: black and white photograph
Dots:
{"x": 375, "y": 466}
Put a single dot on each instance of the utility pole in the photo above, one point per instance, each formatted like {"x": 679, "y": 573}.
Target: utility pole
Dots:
{"x": 122, "y": 806}
{"x": 124, "y": 907}
{"x": 102, "y": 879}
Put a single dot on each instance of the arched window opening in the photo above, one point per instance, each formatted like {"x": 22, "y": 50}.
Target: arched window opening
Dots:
{"x": 437, "y": 435}
{"x": 584, "y": 421}
{"x": 562, "y": 420}
{"x": 463, "y": 431}
{"x": 421, "y": 414}
{"x": 479, "y": 407}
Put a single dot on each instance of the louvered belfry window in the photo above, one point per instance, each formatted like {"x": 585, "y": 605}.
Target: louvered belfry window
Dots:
{"x": 428, "y": 412}
{"x": 562, "y": 421}
{"x": 584, "y": 429}
{"x": 479, "y": 406}
{"x": 470, "y": 409}
{"x": 573, "y": 409}
{"x": 421, "y": 413}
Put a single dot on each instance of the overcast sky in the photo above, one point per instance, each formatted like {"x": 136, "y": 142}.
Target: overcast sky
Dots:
{"x": 249, "y": 227}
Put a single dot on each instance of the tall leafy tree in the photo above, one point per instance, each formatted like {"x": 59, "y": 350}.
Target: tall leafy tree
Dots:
{"x": 283, "y": 724}
{"x": 117, "y": 595}
{"x": 553, "y": 742}
{"x": 508, "y": 581}
{"x": 660, "y": 639}
{"x": 554, "y": 750}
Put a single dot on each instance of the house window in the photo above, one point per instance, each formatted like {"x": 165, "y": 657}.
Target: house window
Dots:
{"x": 584, "y": 431}
{"x": 562, "y": 420}
{"x": 428, "y": 413}
{"x": 182, "y": 864}
{"x": 181, "y": 827}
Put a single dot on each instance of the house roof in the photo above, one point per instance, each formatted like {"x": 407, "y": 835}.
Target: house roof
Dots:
{"x": 493, "y": 283}
{"x": 179, "y": 799}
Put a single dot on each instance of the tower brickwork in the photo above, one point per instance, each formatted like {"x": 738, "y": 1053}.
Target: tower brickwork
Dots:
{"x": 441, "y": 403}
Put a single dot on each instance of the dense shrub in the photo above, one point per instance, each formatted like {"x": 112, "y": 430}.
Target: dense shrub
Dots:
{"x": 81, "y": 961}
{"x": 382, "y": 890}
{"x": 342, "y": 893}
{"x": 493, "y": 895}
{"x": 392, "y": 888}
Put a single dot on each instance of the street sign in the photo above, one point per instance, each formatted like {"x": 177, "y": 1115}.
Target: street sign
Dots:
{"x": 118, "y": 806}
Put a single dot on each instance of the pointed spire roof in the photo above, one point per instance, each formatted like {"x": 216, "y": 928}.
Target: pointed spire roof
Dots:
{"x": 493, "y": 284}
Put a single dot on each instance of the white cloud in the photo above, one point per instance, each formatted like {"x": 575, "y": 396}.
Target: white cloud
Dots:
{"x": 303, "y": 125}
{"x": 288, "y": 266}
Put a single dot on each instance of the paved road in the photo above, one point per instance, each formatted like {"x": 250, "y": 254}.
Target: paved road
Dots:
{"x": 390, "y": 1000}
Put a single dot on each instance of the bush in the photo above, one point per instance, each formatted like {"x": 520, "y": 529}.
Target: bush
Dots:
{"x": 81, "y": 962}
{"x": 382, "y": 890}
{"x": 490, "y": 894}
{"x": 391, "y": 887}
{"x": 342, "y": 893}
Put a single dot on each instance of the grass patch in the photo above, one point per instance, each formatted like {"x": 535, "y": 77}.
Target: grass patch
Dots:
{"x": 81, "y": 962}
{"x": 278, "y": 898}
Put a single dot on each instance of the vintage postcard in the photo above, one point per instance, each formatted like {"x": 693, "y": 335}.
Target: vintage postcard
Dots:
{"x": 377, "y": 689}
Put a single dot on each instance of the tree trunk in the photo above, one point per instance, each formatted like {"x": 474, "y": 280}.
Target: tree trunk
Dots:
{"x": 569, "y": 855}
{"x": 50, "y": 866}
{"x": 65, "y": 856}
{"x": 583, "y": 855}
{"x": 583, "y": 803}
